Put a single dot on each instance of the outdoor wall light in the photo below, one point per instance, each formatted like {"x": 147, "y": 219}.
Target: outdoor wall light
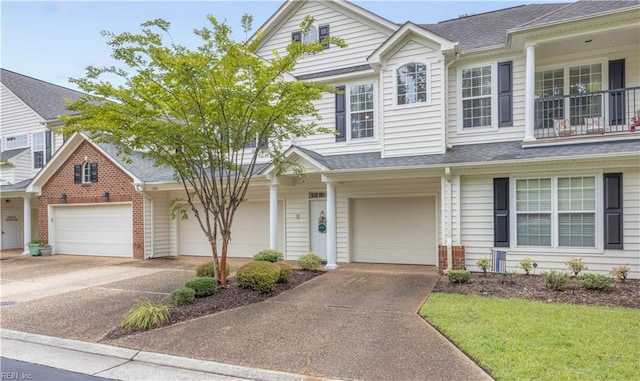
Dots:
{"x": 105, "y": 196}
{"x": 63, "y": 198}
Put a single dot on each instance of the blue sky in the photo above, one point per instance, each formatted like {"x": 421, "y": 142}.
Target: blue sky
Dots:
{"x": 55, "y": 40}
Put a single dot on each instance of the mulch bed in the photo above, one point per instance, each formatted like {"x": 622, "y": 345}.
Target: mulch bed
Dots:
{"x": 624, "y": 293}
{"x": 225, "y": 299}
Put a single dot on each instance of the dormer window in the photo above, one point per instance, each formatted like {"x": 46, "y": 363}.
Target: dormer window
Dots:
{"x": 411, "y": 83}
{"x": 319, "y": 33}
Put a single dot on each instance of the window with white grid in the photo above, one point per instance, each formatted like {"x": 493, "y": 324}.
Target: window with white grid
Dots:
{"x": 361, "y": 107}
{"x": 476, "y": 96}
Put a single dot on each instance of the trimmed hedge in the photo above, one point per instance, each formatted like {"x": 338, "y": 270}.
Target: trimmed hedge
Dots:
{"x": 183, "y": 295}
{"x": 309, "y": 261}
{"x": 459, "y": 276}
{"x": 206, "y": 269}
{"x": 268, "y": 255}
{"x": 259, "y": 276}
{"x": 204, "y": 286}
{"x": 286, "y": 272}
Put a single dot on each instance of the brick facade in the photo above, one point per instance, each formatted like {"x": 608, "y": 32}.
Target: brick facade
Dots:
{"x": 110, "y": 179}
{"x": 457, "y": 256}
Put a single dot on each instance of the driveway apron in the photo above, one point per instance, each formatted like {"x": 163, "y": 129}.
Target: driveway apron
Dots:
{"x": 343, "y": 325}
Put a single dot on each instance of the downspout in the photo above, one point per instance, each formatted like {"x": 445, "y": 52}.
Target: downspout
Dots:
{"x": 446, "y": 96}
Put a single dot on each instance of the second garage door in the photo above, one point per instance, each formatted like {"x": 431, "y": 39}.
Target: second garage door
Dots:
{"x": 393, "y": 230}
{"x": 104, "y": 230}
{"x": 249, "y": 232}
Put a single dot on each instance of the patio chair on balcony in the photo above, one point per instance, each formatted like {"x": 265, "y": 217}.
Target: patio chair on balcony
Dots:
{"x": 562, "y": 127}
{"x": 594, "y": 125}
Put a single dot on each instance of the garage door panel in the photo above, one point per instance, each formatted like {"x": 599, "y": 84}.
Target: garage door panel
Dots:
{"x": 249, "y": 232}
{"x": 93, "y": 230}
{"x": 393, "y": 230}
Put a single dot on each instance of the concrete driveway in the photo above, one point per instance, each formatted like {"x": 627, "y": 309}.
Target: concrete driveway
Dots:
{"x": 358, "y": 322}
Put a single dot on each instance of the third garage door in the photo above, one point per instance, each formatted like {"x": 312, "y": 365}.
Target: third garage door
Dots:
{"x": 393, "y": 230}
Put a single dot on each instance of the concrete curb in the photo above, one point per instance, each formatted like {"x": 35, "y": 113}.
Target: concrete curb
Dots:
{"x": 152, "y": 358}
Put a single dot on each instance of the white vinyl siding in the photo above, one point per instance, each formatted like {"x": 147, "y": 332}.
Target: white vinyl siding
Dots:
{"x": 161, "y": 225}
{"x": 361, "y": 36}
{"x": 413, "y": 129}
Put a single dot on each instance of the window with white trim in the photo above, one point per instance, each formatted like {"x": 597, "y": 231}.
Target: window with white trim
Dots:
{"x": 38, "y": 148}
{"x": 86, "y": 173}
{"x": 556, "y": 211}
{"x": 411, "y": 83}
{"x": 361, "y": 111}
{"x": 311, "y": 35}
{"x": 14, "y": 142}
{"x": 476, "y": 92}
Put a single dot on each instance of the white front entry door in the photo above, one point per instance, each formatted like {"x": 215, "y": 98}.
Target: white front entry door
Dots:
{"x": 318, "y": 227}
{"x": 12, "y": 229}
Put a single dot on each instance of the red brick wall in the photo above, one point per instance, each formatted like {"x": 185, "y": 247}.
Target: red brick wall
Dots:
{"x": 457, "y": 254}
{"x": 110, "y": 179}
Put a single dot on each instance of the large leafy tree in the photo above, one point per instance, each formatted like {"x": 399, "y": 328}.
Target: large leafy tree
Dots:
{"x": 197, "y": 110}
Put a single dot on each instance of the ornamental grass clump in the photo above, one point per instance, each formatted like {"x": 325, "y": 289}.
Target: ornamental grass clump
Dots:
{"x": 555, "y": 280}
{"x": 146, "y": 315}
{"x": 259, "y": 276}
{"x": 596, "y": 282}
{"x": 268, "y": 255}
{"x": 459, "y": 276}
{"x": 620, "y": 272}
{"x": 309, "y": 261}
{"x": 206, "y": 269}
{"x": 183, "y": 295}
{"x": 204, "y": 286}
{"x": 527, "y": 265}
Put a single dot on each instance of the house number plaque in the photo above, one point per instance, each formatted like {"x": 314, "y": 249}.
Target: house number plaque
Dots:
{"x": 322, "y": 223}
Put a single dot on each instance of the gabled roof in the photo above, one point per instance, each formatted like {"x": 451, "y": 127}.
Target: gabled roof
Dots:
{"x": 46, "y": 99}
{"x": 140, "y": 166}
{"x": 17, "y": 187}
{"x": 8, "y": 154}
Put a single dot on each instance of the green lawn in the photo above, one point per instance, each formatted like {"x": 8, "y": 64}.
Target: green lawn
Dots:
{"x": 517, "y": 339}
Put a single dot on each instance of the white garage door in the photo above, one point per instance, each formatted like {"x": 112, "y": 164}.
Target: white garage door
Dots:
{"x": 249, "y": 232}
{"x": 394, "y": 230}
{"x": 105, "y": 230}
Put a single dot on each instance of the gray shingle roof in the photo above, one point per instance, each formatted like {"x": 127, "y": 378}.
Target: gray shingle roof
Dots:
{"x": 19, "y": 186}
{"x": 8, "y": 154}
{"x": 46, "y": 99}
{"x": 490, "y": 28}
{"x": 140, "y": 166}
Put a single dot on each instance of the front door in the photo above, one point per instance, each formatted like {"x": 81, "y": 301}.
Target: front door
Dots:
{"x": 11, "y": 229}
{"x": 318, "y": 227}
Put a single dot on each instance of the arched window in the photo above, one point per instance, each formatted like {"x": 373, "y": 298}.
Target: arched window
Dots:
{"x": 86, "y": 173}
{"x": 311, "y": 35}
{"x": 411, "y": 82}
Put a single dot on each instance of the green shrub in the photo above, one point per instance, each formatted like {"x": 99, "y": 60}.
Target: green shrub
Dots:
{"x": 206, "y": 269}
{"x": 576, "y": 265}
{"x": 459, "y": 276}
{"x": 527, "y": 265}
{"x": 596, "y": 282}
{"x": 183, "y": 295}
{"x": 484, "y": 264}
{"x": 286, "y": 272}
{"x": 204, "y": 286}
{"x": 555, "y": 280}
{"x": 259, "y": 276}
{"x": 309, "y": 261}
{"x": 146, "y": 314}
{"x": 268, "y": 255}
{"x": 620, "y": 272}
{"x": 509, "y": 277}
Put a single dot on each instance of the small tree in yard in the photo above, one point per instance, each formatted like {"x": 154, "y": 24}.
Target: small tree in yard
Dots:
{"x": 198, "y": 110}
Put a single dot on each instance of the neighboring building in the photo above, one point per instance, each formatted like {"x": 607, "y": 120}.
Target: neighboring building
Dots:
{"x": 504, "y": 130}
{"x": 29, "y": 112}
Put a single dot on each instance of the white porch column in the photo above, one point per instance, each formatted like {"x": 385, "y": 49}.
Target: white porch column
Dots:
{"x": 529, "y": 89}
{"x": 273, "y": 214}
{"x": 331, "y": 227}
{"x": 26, "y": 226}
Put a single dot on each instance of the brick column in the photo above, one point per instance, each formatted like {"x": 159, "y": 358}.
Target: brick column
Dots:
{"x": 458, "y": 257}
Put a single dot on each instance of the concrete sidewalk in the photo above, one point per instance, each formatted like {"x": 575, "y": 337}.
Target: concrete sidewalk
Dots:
{"x": 122, "y": 363}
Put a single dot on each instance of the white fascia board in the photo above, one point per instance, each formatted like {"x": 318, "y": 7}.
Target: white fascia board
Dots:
{"x": 409, "y": 29}
{"x": 56, "y": 161}
{"x": 269, "y": 171}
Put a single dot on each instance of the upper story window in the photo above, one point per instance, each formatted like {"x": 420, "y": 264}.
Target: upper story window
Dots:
{"x": 315, "y": 33}
{"x": 361, "y": 110}
{"x": 14, "y": 142}
{"x": 476, "y": 94}
{"x": 311, "y": 35}
{"x": 411, "y": 83}
{"x": 41, "y": 146}
{"x": 85, "y": 173}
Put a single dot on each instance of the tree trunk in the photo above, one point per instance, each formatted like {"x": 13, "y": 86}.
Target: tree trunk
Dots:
{"x": 216, "y": 265}
{"x": 223, "y": 261}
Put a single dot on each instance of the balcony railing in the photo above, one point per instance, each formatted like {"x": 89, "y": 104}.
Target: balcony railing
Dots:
{"x": 594, "y": 113}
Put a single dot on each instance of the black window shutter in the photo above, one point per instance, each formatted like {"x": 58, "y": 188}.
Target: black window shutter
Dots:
{"x": 505, "y": 94}
{"x": 77, "y": 173}
{"x": 296, "y": 36}
{"x": 47, "y": 145}
{"x": 94, "y": 172}
{"x": 613, "y": 211}
{"x": 323, "y": 33}
{"x": 501, "y": 212}
{"x": 341, "y": 116}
